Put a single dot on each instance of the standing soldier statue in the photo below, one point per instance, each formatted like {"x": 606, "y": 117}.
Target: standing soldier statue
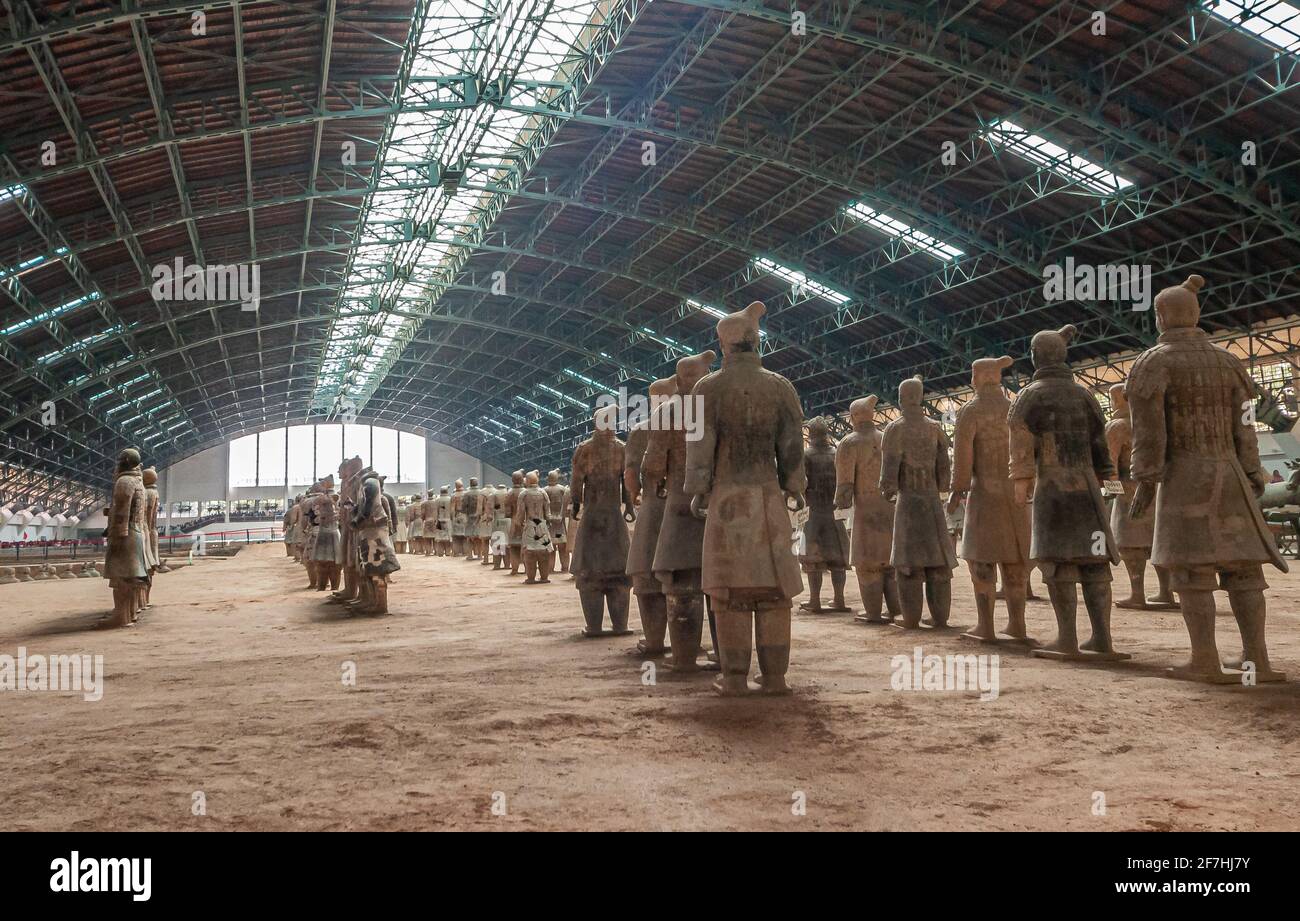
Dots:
{"x": 995, "y": 532}
{"x": 650, "y": 601}
{"x": 744, "y": 472}
{"x": 914, "y": 470}
{"x": 602, "y": 508}
{"x": 826, "y": 543}
{"x": 126, "y": 560}
{"x": 557, "y": 518}
{"x": 1059, "y": 456}
{"x": 1196, "y": 453}
{"x": 857, "y": 486}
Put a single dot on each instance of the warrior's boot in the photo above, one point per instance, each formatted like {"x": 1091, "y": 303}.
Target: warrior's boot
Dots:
{"x": 983, "y": 579}
{"x": 735, "y": 643}
{"x": 1204, "y": 665}
{"x": 893, "y": 601}
{"x": 619, "y": 599}
{"x": 1065, "y": 604}
{"x": 1097, "y": 599}
{"x": 938, "y": 595}
{"x": 1015, "y": 580}
{"x": 544, "y": 567}
{"x": 593, "y": 610}
{"x": 1165, "y": 596}
{"x": 911, "y": 594}
{"x": 838, "y": 578}
{"x": 653, "y": 608}
{"x": 1248, "y": 607}
{"x": 313, "y": 574}
{"x": 814, "y": 602}
{"x": 685, "y": 627}
{"x": 871, "y": 586}
{"x": 772, "y": 630}
{"x": 1137, "y": 595}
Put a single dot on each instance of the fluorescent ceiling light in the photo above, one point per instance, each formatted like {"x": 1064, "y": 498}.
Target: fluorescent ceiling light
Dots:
{"x": 12, "y": 191}
{"x": 1274, "y": 22}
{"x": 1074, "y": 169}
{"x": 540, "y": 408}
{"x": 563, "y": 396}
{"x": 801, "y": 282}
{"x": 914, "y": 238}
{"x": 588, "y": 381}
{"x": 50, "y": 314}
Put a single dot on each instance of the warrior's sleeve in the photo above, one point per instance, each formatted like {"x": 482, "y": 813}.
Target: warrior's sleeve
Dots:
{"x": 790, "y": 470}
{"x": 1243, "y": 433}
{"x": 700, "y": 452}
{"x": 633, "y": 456}
{"x": 579, "y": 477}
{"x": 942, "y": 464}
{"x": 1117, "y": 442}
{"x": 963, "y": 452}
{"x": 1101, "y": 462}
{"x": 369, "y": 493}
{"x": 654, "y": 465}
{"x": 891, "y": 451}
{"x": 846, "y": 468}
{"x": 1021, "y": 439}
{"x": 1146, "y": 387}
{"x": 392, "y": 513}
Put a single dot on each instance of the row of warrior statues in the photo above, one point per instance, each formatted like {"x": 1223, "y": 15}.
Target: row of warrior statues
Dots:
{"x": 713, "y": 511}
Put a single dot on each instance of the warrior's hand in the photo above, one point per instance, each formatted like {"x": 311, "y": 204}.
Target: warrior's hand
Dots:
{"x": 661, "y": 489}
{"x": 629, "y": 513}
{"x": 954, "y": 501}
{"x": 797, "y": 499}
{"x": 1024, "y": 489}
{"x": 700, "y": 506}
{"x": 1141, "y": 500}
{"x": 577, "y": 509}
{"x": 1257, "y": 482}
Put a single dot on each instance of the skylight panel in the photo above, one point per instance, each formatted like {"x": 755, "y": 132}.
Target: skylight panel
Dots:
{"x": 801, "y": 282}
{"x": 564, "y": 397}
{"x": 1276, "y": 23}
{"x": 1071, "y": 167}
{"x": 540, "y": 408}
{"x": 912, "y": 237}
{"x": 12, "y": 191}
{"x": 79, "y": 345}
{"x": 588, "y": 381}
{"x": 51, "y": 314}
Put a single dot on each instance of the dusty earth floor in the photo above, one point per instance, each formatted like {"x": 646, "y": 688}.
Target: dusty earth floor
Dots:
{"x": 479, "y": 687}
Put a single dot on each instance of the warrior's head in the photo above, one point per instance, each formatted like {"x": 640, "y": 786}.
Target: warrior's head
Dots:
{"x": 738, "y": 332}
{"x": 351, "y": 467}
{"x": 862, "y": 412}
{"x": 1119, "y": 399}
{"x": 129, "y": 459}
{"x": 693, "y": 367}
{"x": 460, "y": 485}
{"x": 444, "y": 490}
{"x": 910, "y": 392}
{"x": 1178, "y": 307}
{"x": 532, "y": 479}
{"x": 517, "y": 478}
{"x": 605, "y": 420}
{"x": 553, "y": 478}
{"x": 473, "y": 482}
{"x": 1048, "y": 346}
{"x": 819, "y": 432}
{"x": 987, "y": 372}
{"x": 150, "y": 476}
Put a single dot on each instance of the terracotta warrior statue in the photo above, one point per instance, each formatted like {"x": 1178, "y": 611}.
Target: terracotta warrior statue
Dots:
{"x": 309, "y": 539}
{"x": 1133, "y": 536}
{"x": 535, "y": 536}
{"x": 650, "y": 601}
{"x": 678, "y": 551}
{"x": 349, "y": 472}
{"x": 471, "y": 506}
{"x": 457, "y": 519}
{"x": 429, "y": 515}
{"x": 149, "y": 477}
{"x": 601, "y": 506}
{"x": 442, "y": 523}
{"x": 558, "y": 520}
{"x": 915, "y": 468}
{"x": 486, "y": 515}
{"x": 995, "y": 530}
{"x": 415, "y": 518}
{"x": 296, "y": 540}
{"x": 826, "y": 543}
{"x": 328, "y": 551}
{"x": 857, "y": 485}
{"x": 516, "y": 539}
{"x": 126, "y": 560}
{"x": 744, "y": 472}
{"x": 1059, "y": 455}
{"x": 375, "y": 557}
{"x": 1196, "y": 454}
{"x": 403, "y": 535}
{"x": 287, "y": 524}
{"x": 502, "y": 504}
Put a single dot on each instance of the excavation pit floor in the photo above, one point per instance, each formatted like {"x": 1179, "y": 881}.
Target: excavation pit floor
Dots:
{"x": 477, "y": 705}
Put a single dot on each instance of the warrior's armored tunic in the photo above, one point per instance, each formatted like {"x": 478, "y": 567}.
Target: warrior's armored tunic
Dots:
{"x": 826, "y": 544}
{"x": 1187, "y": 397}
{"x": 442, "y": 518}
{"x": 557, "y": 499}
{"x": 403, "y": 526}
{"x": 994, "y": 528}
{"x": 516, "y": 538}
{"x": 915, "y": 466}
{"x": 680, "y": 547}
{"x": 502, "y": 508}
{"x": 151, "y": 527}
{"x": 324, "y": 516}
{"x": 857, "y": 474}
{"x": 649, "y": 515}
{"x": 126, "y": 559}
{"x": 415, "y": 515}
{"x": 600, "y": 557}
{"x": 471, "y": 507}
{"x": 457, "y": 514}
{"x": 1058, "y": 438}
{"x": 747, "y": 532}
{"x": 530, "y": 519}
